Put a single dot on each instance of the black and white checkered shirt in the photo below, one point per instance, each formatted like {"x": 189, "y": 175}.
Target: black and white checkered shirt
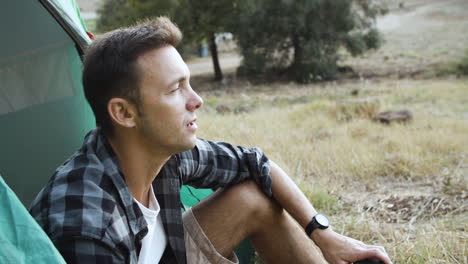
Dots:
{"x": 89, "y": 213}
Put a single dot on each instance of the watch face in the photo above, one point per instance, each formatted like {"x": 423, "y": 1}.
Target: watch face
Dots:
{"x": 322, "y": 220}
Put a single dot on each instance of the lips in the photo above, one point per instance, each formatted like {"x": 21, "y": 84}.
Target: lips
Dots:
{"x": 192, "y": 123}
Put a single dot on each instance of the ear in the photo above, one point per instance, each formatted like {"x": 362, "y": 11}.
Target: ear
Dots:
{"x": 122, "y": 112}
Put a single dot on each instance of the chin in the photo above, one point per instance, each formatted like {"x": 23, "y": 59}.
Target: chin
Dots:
{"x": 187, "y": 145}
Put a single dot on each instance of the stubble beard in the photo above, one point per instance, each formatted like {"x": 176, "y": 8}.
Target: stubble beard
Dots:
{"x": 161, "y": 141}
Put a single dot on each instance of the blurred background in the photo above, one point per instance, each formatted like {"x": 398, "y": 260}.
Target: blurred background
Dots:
{"x": 364, "y": 103}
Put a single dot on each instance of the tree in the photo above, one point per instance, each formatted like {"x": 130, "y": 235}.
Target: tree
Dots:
{"x": 300, "y": 39}
{"x": 113, "y": 15}
{"x": 199, "y": 20}
{"x": 204, "y": 19}
{"x": 120, "y": 13}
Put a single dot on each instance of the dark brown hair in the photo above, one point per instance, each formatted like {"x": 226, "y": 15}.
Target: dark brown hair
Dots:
{"x": 110, "y": 68}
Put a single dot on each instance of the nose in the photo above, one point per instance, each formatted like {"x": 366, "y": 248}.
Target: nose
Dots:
{"x": 194, "y": 102}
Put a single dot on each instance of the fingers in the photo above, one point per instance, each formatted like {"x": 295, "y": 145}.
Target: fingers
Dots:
{"x": 377, "y": 252}
{"x": 383, "y": 255}
{"x": 339, "y": 249}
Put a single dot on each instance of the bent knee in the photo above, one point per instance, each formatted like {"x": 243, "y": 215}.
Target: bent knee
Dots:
{"x": 248, "y": 196}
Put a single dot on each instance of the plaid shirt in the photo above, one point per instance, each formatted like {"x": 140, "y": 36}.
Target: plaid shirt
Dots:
{"x": 89, "y": 213}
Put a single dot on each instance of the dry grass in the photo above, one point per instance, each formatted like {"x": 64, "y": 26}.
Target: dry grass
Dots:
{"x": 378, "y": 182}
{"x": 403, "y": 186}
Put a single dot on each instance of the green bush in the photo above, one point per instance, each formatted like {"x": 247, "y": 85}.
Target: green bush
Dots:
{"x": 462, "y": 66}
{"x": 300, "y": 39}
{"x": 458, "y": 68}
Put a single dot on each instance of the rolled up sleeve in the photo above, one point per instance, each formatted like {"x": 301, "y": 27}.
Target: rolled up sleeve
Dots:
{"x": 219, "y": 164}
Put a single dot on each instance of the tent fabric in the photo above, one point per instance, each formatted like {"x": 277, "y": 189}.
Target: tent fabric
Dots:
{"x": 34, "y": 58}
{"x": 43, "y": 111}
{"x": 41, "y": 77}
{"x": 191, "y": 196}
{"x": 22, "y": 239}
{"x": 69, "y": 11}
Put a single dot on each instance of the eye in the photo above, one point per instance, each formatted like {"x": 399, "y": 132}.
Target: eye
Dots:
{"x": 175, "y": 89}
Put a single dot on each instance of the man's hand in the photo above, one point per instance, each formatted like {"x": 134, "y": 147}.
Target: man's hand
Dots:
{"x": 339, "y": 249}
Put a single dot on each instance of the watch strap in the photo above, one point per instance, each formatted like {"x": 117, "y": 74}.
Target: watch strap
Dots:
{"x": 314, "y": 224}
{"x": 311, "y": 226}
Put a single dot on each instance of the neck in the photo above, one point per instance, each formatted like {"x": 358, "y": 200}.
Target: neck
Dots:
{"x": 140, "y": 165}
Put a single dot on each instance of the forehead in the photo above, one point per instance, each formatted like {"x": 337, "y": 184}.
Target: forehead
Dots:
{"x": 162, "y": 65}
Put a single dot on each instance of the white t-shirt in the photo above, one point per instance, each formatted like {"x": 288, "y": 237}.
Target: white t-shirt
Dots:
{"x": 154, "y": 243}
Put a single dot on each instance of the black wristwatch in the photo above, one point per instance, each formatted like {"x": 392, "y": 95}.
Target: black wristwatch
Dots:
{"x": 319, "y": 221}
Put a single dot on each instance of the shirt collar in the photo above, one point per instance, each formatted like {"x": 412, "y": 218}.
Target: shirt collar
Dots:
{"x": 97, "y": 142}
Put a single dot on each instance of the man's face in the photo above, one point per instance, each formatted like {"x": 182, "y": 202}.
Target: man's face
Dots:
{"x": 168, "y": 103}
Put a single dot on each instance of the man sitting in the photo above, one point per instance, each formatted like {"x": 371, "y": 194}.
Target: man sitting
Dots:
{"x": 117, "y": 199}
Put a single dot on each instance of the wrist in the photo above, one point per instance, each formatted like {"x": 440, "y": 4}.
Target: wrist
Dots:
{"x": 324, "y": 239}
{"x": 320, "y": 235}
{"x": 318, "y": 222}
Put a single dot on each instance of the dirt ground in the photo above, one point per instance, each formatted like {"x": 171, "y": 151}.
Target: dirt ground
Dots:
{"x": 419, "y": 38}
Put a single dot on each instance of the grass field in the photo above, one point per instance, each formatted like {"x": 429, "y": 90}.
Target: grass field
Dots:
{"x": 401, "y": 185}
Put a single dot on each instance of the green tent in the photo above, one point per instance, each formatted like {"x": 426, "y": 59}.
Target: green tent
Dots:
{"x": 22, "y": 239}
{"x": 43, "y": 112}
